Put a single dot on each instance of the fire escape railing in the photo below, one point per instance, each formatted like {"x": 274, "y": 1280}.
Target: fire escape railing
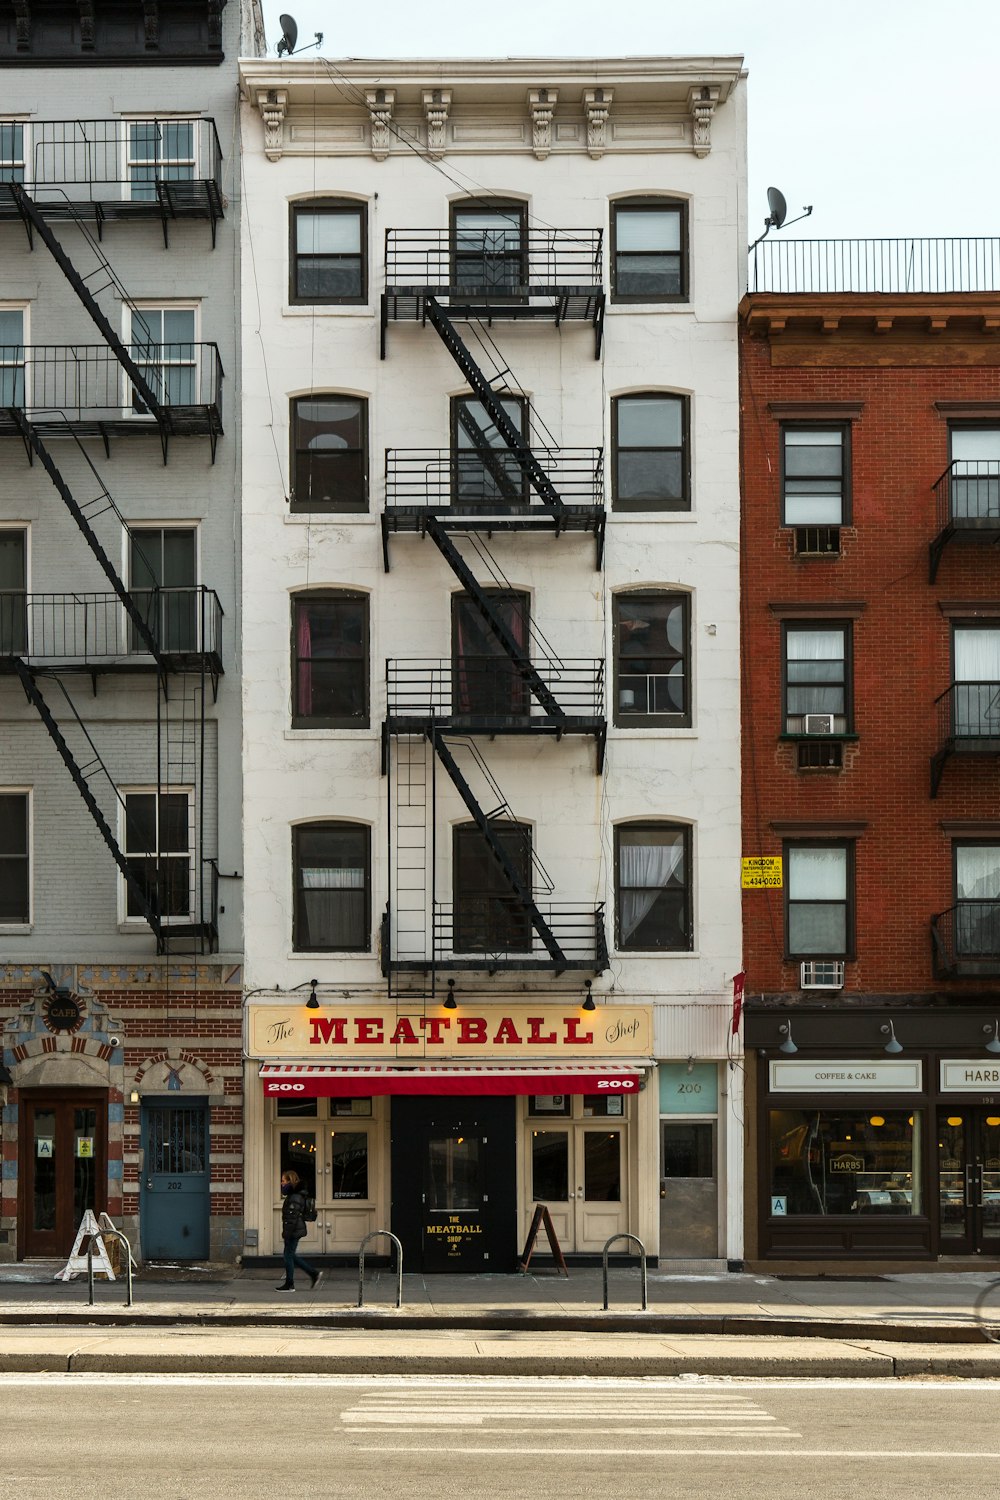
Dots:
{"x": 968, "y": 723}
{"x": 966, "y": 940}
{"x": 85, "y": 629}
{"x": 968, "y": 505}
{"x": 471, "y": 688}
{"x": 457, "y": 480}
{"x": 541, "y": 261}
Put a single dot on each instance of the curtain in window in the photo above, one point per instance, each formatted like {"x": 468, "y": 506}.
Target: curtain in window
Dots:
{"x": 303, "y": 654}
{"x": 643, "y": 872}
{"x": 817, "y": 895}
{"x": 333, "y": 901}
{"x": 977, "y": 887}
{"x": 977, "y": 679}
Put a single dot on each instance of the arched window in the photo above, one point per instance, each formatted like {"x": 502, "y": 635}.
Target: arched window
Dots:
{"x": 330, "y": 660}
{"x": 652, "y": 645}
{"x": 327, "y": 256}
{"x": 650, "y": 451}
{"x": 489, "y": 918}
{"x": 332, "y": 872}
{"x": 649, "y": 250}
{"x": 329, "y": 466}
{"x": 653, "y": 887}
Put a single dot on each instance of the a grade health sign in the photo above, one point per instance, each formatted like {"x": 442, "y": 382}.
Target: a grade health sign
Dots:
{"x": 760, "y": 872}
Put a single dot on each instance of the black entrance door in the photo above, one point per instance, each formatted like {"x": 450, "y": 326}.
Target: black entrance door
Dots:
{"x": 968, "y": 1143}
{"x": 453, "y": 1188}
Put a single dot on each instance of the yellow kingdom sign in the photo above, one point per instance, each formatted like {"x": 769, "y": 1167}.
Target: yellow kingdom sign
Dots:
{"x": 760, "y": 872}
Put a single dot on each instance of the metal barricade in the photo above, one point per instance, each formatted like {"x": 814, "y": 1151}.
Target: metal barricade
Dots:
{"x": 642, "y": 1262}
{"x": 128, "y": 1265}
{"x": 376, "y": 1234}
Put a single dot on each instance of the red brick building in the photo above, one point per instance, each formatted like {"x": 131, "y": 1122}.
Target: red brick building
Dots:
{"x": 871, "y": 756}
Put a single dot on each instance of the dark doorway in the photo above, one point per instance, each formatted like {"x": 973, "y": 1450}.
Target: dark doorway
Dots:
{"x": 489, "y": 917}
{"x": 454, "y": 1201}
{"x": 968, "y": 1158}
{"x": 63, "y": 1168}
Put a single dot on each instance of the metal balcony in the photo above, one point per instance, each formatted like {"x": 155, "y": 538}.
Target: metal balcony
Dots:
{"x": 104, "y": 170}
{"x": 965, "y": 941}
{"x": 84, "y": 388}
{"x": 883, "y": 265}
{"x": 491, "y": 934}
{"x": 968, "y": 505}
{"x": 968, "y": 724}
{"x": 489, "y": 695}
{"x": 90, "y": 632}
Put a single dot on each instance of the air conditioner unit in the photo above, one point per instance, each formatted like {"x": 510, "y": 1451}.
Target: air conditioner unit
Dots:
{"x": 818, "y": 723}
{"x": 822, "y": 974}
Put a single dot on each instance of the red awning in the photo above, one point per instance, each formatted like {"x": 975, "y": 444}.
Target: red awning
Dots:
{"x": 339, "y": 1081}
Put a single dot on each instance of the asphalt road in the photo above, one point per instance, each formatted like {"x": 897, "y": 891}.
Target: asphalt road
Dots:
{"x": 67, "y": 1437}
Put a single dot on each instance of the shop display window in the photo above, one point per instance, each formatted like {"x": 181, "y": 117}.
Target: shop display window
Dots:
{"x": 845, "y": 1161}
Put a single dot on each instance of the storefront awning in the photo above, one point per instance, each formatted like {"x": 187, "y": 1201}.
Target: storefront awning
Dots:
{"x": 336, "y": 1081}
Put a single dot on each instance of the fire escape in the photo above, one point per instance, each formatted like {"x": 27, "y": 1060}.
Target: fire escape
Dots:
{"x": 494, "y": 480}
{"x": 83, "y": 175}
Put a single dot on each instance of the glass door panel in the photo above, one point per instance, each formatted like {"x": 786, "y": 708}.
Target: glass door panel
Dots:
{"x": 689, "y": 1190}
{"x": 952, "y": 1161}
{"x": 297, "y": 1152}
{"x": 989, "y": 1180}
{"x": 454, "y": 1195}
{"x": 64, "y": 1169}
{"x": 43, "y": 1198}
{"x": 551, "y": 1181}
{"x": 84, "y": 1162}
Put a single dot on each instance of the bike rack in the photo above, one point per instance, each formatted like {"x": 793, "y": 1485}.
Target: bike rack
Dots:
{"x": 642, "y": 1261}
{"x": 376, "y": 1234}
{"x": 128, "y": 1264}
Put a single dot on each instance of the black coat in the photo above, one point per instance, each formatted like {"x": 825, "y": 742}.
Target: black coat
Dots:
{"x": 293, "y": 1215}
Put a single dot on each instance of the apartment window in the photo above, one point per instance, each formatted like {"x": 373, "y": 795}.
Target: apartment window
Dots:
{"x": 329, "y": 453}
{"x": 13, "y": 591}
{"x": 489, "y": 245}
{"x": 485, "y": 474}
{"x": 814, "y": 471}
{"x": 332, "y": 873}
{"x": 163, "y": 346}
{"x": 649, "y": 251}
{"x": 817, "y": 667}
{"x": 653, "y": 888}
{"x": 818, "y": 900}
{"x": 489, "y": 918}
{"x": 650, "y": 452}
{"x": 163, "y": 575}
{"x": 976, "y": 690}
{"x": 159, "y": 151}
{"x": 652, "y": 659}
{"x": 330, "y": 661}
{"x": 977, "y": 900}
{"x": 484, "y": 678}
{"x": 158, "y": 847}
{"x": 12, "y": 158}
{"x": 11, "y": 356}
{"x": 15, "y": 873}
{"x": 328, "y": 260}
{"x": 975, "y": 473}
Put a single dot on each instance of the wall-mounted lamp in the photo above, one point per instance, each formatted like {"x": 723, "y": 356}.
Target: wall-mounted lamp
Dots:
{"x": 312, "y": 1003}
{"x": 893, "y": 1044}
{"x": 788, "y": 1045}
{"x": 133, "y": 1097}
{"x": 451, "y": 1003}
{"x": 588, "y": 1000}
{"x": 691, "y": 1064}
{"x": 993, "y": 1045}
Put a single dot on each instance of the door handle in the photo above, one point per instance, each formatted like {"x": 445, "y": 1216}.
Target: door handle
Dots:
{"x": 970, "y": 1186}
{"x": 149, "y": 1182}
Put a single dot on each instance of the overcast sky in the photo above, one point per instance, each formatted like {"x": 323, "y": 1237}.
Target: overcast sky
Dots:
{"x": 881, "y": 113}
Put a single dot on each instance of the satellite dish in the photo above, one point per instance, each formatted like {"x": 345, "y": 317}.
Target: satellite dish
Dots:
{"x": 775, "y": 198}
{"x": 289, "y": 35}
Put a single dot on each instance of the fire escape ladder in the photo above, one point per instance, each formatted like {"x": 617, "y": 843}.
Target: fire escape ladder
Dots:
{"x": 35, "y": 444}
{"x": 529, "y": 673}
{"x": 80, "y": 778}
{"x": 140, "y": 385}
{"x": 510, "y": 874}
{"x": 522, "y": 454}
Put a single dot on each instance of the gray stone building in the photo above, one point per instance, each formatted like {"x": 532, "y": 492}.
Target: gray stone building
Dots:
{"x": 120, "y": 895}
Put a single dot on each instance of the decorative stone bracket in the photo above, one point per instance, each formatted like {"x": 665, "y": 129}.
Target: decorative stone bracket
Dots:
{"x": 272, "y": 104}
{"x": 380, "y": 105}
{"x": 437, "y": 103}
{"x": 541, "y": 107}
{"x": 701, "y": 106}
{"x": 597, "y": 107}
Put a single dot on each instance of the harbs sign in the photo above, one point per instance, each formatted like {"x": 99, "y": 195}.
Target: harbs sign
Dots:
{"x": 511, "y": 1032}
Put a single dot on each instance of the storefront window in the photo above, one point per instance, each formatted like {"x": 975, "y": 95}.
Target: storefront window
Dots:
{"x": 287, "y": 1109}
{"x": 550, "y": 1166}
{"x": 349, "y": 1164}
{"x": 298, "y": 1154}
{"x": 845, "y": 1161}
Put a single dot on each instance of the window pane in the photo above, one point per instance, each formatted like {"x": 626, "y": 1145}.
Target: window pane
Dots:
{"x": 298, "y": 1154}
{"x": 817, "y": 874}
{"x": 648, "y": 276}
{"x": 178, "y": 326}
{"x": 329, "y": 453}
{"x": 319, "y": 277}
{"x": 652, "y": 645}
{"x": 845, "y": 1162}
{"x": 652, "y": 477}
{"x": 602, "y": 1178}
{"x": 14, "y": 891}
{"x": 13, "y": 559}
{"x": 331, "y": 863}
{"x": 174, "y": 823}
{"x": 815, "y": 646}
{"x": 348, "y": 1164}
{"x": 977, "y": 871}
{"x": 975, "y": 443}
{"x": 550, "y": 1166}
{"x": 328, "y": 233}
{"x": 814, "y": 509}
{"x": 977, "y": 655}
{"x": 650, "y": 422}
{"x": 140, "y": 823}
{"x": 652, "y": 889}
{"x": 817, "y": 928}
{"x": 647, "y": 229}
{"x": 482, "y": 419}
{"x": 11, "y": 328}
{"x": 331, "y": 669}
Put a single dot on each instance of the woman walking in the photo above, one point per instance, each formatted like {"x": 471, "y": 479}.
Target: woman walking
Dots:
{"x": 293, "y": 1228}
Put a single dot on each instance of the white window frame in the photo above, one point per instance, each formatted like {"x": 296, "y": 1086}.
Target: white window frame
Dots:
{"x": 149, "y": 523}
{"x": 24, "y": 308}
{"x": 126, "y": 921}
{"x": 28, "y": 793}
{"x": 160, "y": 118}
{"x": 148, "y": 304}
{"x": 25, "y": 124}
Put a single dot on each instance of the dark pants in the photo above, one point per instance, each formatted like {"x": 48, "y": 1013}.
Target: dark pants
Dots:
{"x": 292, "y": 1260}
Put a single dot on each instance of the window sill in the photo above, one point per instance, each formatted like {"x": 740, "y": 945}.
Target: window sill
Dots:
{"x": 645, "y": 732}
{"x": 667, "y": 305}
{"x": 139, "y": 927}
{"x": 16, "y": 929}
{"x": 337, "y": 953}
{"x": 848, "y": 737}
{"x": 330, "y": 734}
{"x": 328, "y": 310}
{"x": 336, "y": 517}
{"x": 655, "y": 953}
{"x": 627, "y": 515}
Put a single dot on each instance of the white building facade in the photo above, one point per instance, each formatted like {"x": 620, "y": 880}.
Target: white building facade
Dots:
{"x": 491, "y": 697}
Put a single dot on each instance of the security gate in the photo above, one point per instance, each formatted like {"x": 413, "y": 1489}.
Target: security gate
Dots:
{"x": 174, "y": 1191}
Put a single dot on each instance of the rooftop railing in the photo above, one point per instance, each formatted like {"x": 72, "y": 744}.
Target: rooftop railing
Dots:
{"x": 876, "y": 265}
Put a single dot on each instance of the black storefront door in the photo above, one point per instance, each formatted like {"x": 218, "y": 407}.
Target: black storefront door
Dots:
{"x": 968, "y": 1166}
{"x": 453, "y": 1185}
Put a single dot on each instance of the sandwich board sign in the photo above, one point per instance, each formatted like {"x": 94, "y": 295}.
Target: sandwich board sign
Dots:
{"x": 77, "y": 1262}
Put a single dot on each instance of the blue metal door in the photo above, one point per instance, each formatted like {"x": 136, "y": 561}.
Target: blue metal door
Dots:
{"x": 174, "y": 1187}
